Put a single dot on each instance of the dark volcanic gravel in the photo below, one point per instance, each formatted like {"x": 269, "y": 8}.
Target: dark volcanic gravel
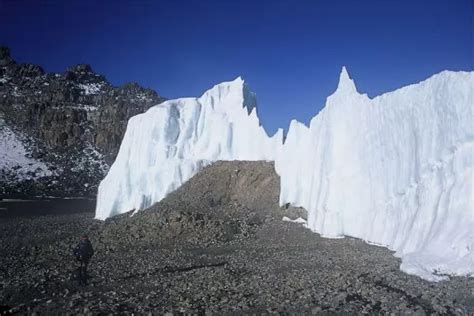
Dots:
{"x": 218, "y": 246}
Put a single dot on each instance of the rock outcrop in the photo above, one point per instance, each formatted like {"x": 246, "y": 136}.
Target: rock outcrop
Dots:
{"x": 72, "y": 122}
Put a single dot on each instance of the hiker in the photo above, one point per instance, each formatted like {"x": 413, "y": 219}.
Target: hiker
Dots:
{"x": 83, "y": 253}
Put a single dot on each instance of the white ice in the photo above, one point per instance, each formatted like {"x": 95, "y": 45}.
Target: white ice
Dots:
{"x": 395, "y": 170}
{"x": 172, "y": 141}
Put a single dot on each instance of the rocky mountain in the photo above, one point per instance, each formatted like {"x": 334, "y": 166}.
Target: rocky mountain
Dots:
{"x": 59, "y": 132}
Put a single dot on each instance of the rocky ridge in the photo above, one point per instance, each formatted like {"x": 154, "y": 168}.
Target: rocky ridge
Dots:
{"x": 73, "y": 122}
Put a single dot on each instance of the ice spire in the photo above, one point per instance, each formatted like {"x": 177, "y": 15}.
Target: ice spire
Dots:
{"x": 346, "y": 84}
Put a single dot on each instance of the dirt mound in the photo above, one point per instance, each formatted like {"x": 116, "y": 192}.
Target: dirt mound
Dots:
{"x": 254, "y": 185}
{"x": 225, "y": 202}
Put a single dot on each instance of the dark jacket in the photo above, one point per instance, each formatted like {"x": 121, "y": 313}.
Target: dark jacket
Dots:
{"x": 83, "y": 251}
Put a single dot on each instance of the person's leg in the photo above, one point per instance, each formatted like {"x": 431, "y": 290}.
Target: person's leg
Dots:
{"x": 85, "y": 273}
{"x": 82, "y": 274}
{"x": 76, "y": 275}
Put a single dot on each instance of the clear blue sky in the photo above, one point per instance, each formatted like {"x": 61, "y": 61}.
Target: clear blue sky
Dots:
{"x": 289, "y": 52}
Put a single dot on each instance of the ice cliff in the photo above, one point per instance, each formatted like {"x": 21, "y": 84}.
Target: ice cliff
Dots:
{"x": 168, "y": 144}
{"x": 395, "y": 170}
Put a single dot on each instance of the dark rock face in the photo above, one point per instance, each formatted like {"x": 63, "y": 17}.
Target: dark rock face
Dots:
{"x": 5, "y": 58}
{"x": 74, "y": 122}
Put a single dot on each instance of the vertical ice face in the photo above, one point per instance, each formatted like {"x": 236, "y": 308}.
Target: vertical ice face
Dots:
{"x": 396, "y": 170}
{"x": 168, "y": 144}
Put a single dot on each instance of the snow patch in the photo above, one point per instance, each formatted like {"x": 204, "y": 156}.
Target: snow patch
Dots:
{"x": 299, "y": 220}
{"x": 142, "y": 97}
{"x": 90, "y": 88}
{"x": 13, "y": 156}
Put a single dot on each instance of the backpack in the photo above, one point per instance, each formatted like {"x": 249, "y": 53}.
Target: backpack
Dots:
{"x": 84, "y": 251}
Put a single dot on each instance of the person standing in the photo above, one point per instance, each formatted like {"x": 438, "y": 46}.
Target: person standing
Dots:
{"x": 83, "y": 253}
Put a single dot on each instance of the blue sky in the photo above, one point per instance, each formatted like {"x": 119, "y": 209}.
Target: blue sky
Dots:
{"x": 289, "y": 52}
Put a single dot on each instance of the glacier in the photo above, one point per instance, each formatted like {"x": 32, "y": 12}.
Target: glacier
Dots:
{"x": 395, "y": 170}
{"x": 172, "y": 141}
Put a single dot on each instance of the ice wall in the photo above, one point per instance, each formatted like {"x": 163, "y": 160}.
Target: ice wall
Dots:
{"x": 395, "y": 170}
{"x": 168, "y": 144}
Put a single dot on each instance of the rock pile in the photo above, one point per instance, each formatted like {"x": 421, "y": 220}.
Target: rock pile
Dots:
{"x": 217, "y": 245}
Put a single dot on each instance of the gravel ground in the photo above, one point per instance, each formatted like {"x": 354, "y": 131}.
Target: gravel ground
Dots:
{"x": 218, "y": 246}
